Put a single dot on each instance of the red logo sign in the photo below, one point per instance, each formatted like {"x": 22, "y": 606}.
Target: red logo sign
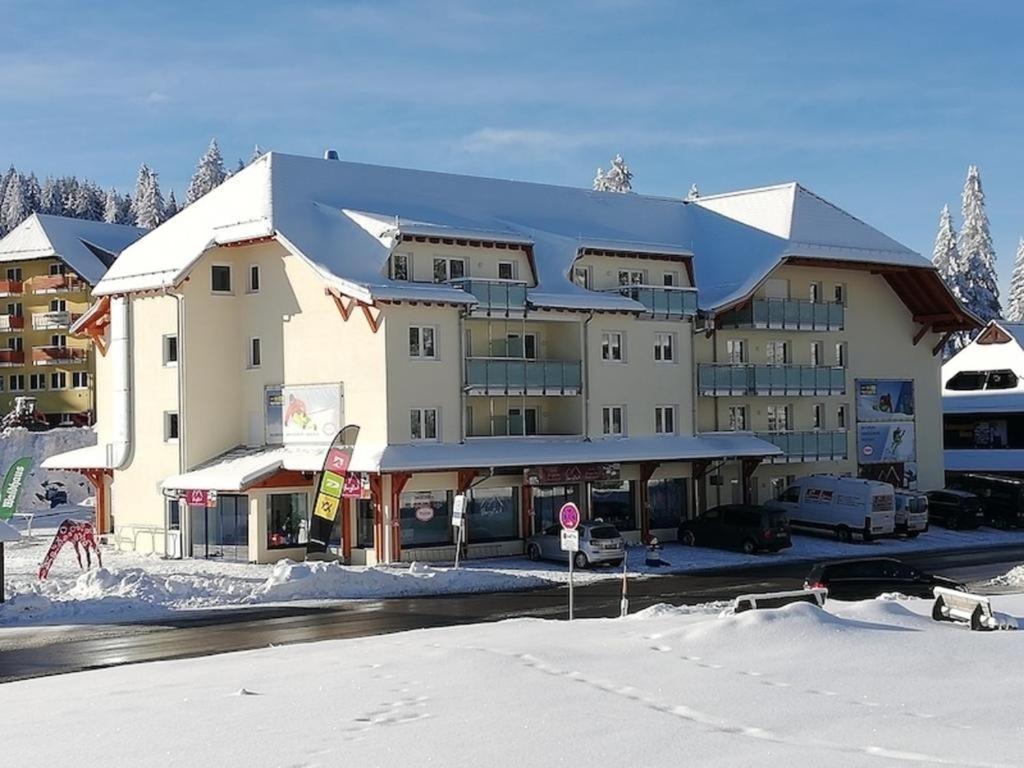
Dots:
{"x": 338, "y": 460}
{"x": 197, "y": 498}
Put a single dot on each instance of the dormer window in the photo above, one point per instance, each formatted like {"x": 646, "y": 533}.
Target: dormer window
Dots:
{"x": 631, "y": 277}
{"x": 446, "y": 269}
{"x": 400, "y": 266}
{"x": 581, "y": 276}
{"x": 506, "y": 270}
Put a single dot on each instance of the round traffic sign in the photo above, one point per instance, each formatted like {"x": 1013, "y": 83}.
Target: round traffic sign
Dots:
{"x": 569, "y": 516}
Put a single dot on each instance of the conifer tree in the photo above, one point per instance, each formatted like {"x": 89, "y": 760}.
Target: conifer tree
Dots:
{"x": 147, "y": 202}
{"x": 209, "y": 174}
{"x": 1015, "y": 306}
{"x": 977, "y": 254}
{"x": 14, "y": 208}
{"x": 171, "y": 207}
{"x": 618, "y": 178}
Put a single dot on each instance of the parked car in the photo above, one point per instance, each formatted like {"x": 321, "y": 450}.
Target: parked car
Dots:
{"x": 911, "y": 512}
{"x": 738, "y": 526}
{"x": 599, "y": 543}
{"x": 842, "y": 506}
{"x": 870, "y": 577}
{"x": 1001, "y": 497}
{"x": 955, "y": 509}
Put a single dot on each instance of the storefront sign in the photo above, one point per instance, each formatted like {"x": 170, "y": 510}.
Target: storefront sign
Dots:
{"x": 885, "y": 400}
{"x": 197, "y": 498}
{"x": 273, "y": 414}
{"x": 357, "y": 486}
{"x": 562, "y": 474}
{"x": 425, "y": 513}
{"x": 885, "y": 443}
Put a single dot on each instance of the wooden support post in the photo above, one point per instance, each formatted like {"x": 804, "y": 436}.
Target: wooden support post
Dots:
{"x": 920, "y": 334}
{"x": 348, "y": 508}
{"x": 942, "y": 342}
{"x": 398, "y": 482}
{"x": 747, "y": 468}
{"x": 647, "y": 469}
{"x": 377, "y": 502}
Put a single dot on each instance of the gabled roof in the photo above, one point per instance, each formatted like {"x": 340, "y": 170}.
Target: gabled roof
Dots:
{"x": 87, "y": 247}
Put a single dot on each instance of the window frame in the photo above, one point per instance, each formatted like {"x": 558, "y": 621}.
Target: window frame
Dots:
{"x": 255, "y": 353}
{"x": 172, "y": 427}
{"x": 420, "y": 342}
{"x": 737, "y": 409}
{"x": 448, "y": 260}
{"x": 660, "y": 412}
{"x": 33, "y": 378}
{"x": 608, "y": 421}
{"x": 230, "y": 290}
{"x": 166, "y": 342}
{"x": 659, "y": 347}
{"x": 58, "y": 380}
{"x": 733, "y": 345}
{"x": 630, "y": 274}
{"x": 392, "y": 272}
{"x": 253, "y": 285}
{"x": 80, "y": 376}
{"x": 607, "y": 347}
{"x": 16, "y": 382}
{"x": 303, "y": 515}
{"x": 421, "y": 419}
{"x": 584, "y": 271}
{"x": 514, "y": 270}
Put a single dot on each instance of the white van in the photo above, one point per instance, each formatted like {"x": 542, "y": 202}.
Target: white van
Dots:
{"x": 911, "y": 512}
{"x": 844, "y": 506}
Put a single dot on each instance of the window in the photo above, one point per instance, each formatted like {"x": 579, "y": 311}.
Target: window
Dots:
{"x": 736, "y": 351}
{"x": 667, "y": 500}
{"x": 839, "y": 292}
{"x": 79, "y": 380}
{"x": 778, "y": 418}
{"x": 581, "y": 276}
{"x": 426, "y": 518}
{"x": 521, "y": 345}
{"x": 814, "y": 293}
{"x": 611, "y": 346}
{"x": 14, "y": 309}
{"x": 220, "y": 278}
{"x": 670, "y": 279}
{"x": 665, "y": 420}
{"x": 16, "y": 343}
{"x": 817, "y": 353}
{"x": 612, "y": 421}
{"x": 631, "y": 277}
{"x": 170, "y": 350}
{"x": 254, "y": 279}
{"x": 255, "y": 353}
{"x": 841, "y": 417}
{"x": 400, "y": 266}
{"x": 2, "y": 383}
{"x": 841, "y": 356}
{"x": 446, "y": 269}
{"x": 58, "y": 380}
{"x": 17, "y": 382}
{"x": 738, "y": 418}
{"x": 522, "y": 421}
{"x": 777, "y": 352}
{"x": 818, "y": 416}
{"x": 37, "y": 381}
{"x": 493, "y": 514}
{"x": 614, "y": 503}
{"x": 974, "y": 380}
{"x": 664, "y": 347}
{"x": 170, "y": 425}
{"x": 422, "y": 342}
{"x": 14, "y": 274}
{"x": 423, "y": 424}
{"x": 791, "y": 494}
{"x": 506, "y": 270}
{"x": 58, "y": 340}
{"x": 58, "y": 305}
{"x": 286, "y": 520}
{"x": 57, "y": 269}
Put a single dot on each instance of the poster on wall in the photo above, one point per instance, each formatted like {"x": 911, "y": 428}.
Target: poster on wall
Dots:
{"x": 885, "y": 400}
{"x": 312, "y": 413}
{"x": 273, "y": 412}
{"x": 885, "y": 442}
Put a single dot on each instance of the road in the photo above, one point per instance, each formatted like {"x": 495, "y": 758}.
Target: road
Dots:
{"x": 210, "y": 632}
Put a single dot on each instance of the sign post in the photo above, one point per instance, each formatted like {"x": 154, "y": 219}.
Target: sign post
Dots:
{"x": 569, "y": 517}
{"x": 458, "y": 519}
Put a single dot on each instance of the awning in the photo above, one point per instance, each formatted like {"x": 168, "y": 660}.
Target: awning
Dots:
{"x": 90, "y": 457}
{"x": 529, "y": 451}
{"x": 984, "y": 460}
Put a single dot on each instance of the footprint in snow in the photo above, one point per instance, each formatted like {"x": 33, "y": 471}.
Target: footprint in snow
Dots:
{"x": 245, "y": 692}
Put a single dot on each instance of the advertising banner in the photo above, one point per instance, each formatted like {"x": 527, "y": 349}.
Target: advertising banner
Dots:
{"x": 14, "y": 481}
{"x": 330, "y": 488}
{"x": 885, "y": 442}
{"x": 311, "y": 413}
{"x": 885, "y": 400}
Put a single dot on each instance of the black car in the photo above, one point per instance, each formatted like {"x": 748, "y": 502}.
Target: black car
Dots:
{"x": 1001, "y": 497}
{"x": 955, "y": 509}
{"x": 870, "y": 577}
{"x": 738, "y": 526}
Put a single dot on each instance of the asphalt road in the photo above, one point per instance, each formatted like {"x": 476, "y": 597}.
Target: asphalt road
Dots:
{"x": 211, "y": 632}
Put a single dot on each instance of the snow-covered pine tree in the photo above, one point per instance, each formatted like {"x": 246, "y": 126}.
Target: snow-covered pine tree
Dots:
{"x": 1015, "y": 306}
{"x": 619, "y": 178}
{"x": 209, "y": 174}
{"x": 171, "y": 207}
{"x": 87, "y": 202}
{"x": 112, "y": 207}
{"x": 977, "y": 254}
{"x": 147, "y": 202}
{"x": 694, "y": 193}
{"x": 945, "y": 255}
{"x": 14, "y": 208}
{"x": 50, "y": 198}
{"x": 33, "y": 193}
{"x": 257, "y": 153}
{"x": 600, "y": 181}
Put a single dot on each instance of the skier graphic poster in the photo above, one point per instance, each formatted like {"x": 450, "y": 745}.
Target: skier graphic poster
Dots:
{"x": 311, "y": 413}
{"x": 885, "y": 442}
{"x": 330, "y": 489}
{"x": 885, "y": 400}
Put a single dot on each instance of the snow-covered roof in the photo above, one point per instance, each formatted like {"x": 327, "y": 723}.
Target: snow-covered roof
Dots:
{"x": 999, "y": 347}
{"x": 87, "y": 247}
{"x": 982, "y": 460}
{"x": 8, "y": 535}
{"x": 346, "y": 218}
{"x": 90, "y": 457}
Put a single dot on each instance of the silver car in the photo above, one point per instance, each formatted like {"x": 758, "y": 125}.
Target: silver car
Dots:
{"x": 599, "y": 543}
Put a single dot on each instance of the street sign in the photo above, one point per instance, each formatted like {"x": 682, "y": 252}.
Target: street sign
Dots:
{"x": 569, "y": 516}
{"x": 458, "y": 510}
{"x": 570, "y": 540}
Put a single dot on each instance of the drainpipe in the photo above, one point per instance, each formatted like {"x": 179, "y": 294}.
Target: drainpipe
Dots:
{"x": 184, "y": 524}
{"x": 462, "y": 376}
{"x": 119, "y": 450}
{"x": 586, "y": 375}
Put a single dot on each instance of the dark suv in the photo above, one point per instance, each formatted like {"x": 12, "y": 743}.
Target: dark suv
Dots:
{"x": 1001, "y": 497}
{"x": 955, "y": 509}
{"x": 738, "y": 526}
{"x": 871, "y": 577}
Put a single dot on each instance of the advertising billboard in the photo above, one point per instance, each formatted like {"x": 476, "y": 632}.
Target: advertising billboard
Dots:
{"x": 885, "y": 400}
{"x": 885, "y": 442}
{"x": 308, "y": 414}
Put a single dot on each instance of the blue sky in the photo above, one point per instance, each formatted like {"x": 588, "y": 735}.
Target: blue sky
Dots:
{"x": 877, "y": 106}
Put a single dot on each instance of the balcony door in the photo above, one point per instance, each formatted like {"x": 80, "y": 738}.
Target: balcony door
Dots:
{"x": 522, "y": 345}
{"x": 522, "y": 421}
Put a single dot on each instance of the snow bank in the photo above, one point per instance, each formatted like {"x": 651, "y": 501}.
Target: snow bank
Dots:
{"x": 1012, "y": 578}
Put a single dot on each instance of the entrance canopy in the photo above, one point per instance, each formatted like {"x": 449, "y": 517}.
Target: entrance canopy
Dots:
{"x": 90, "y": 457}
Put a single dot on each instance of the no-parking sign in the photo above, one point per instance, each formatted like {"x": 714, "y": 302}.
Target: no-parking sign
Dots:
{"x": 569, "y": 516}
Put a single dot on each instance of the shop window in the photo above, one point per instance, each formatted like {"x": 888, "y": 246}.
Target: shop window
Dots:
{"x": 426, "y": 519}
{"x": 614, "y": 503}
{"x": 548, "y": 500}
{"x": 286, "y": 520}
{"x": 220, "y": 278}
{"x": 493, "y": 514}
{"x": 668, "y": 502}
{"x": 364, "y": 524}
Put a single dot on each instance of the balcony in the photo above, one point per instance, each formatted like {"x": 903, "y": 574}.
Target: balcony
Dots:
{"x": 495, "y": 376}
{"x": 11, "y": 288}
{"x": 807, "y": 446}
{"x": 786, "y": 314}
{"x": 56, "y": 284}
{"x": 662, "y": 301}
{"x": 47, "y": 321}
{"x": 59, "y": 355}
{"x": 746, "y": 379}
{"x": 12, "y": 323}
{"x": 495, "y": 298}
{"x": 11, "y": 357}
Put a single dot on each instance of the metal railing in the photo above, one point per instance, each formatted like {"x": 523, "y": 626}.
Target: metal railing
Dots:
{"x": 667, "y": 301}
{"x": 748, "y": 379}
{"x": 505, "y": 298}
{"x": 786, "y": 314}
{"x": 494, "y": 376}
{"x": 823, "y": 445}
{"x": 58, "y": 355}
{"x": 43, "y": 321}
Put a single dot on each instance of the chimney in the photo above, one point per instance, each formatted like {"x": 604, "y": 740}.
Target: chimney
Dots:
{"x": 331, "y": 154}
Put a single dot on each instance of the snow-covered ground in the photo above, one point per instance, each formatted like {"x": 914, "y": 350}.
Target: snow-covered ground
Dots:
{"x": 134, "y": 587}
{"x": 875, "y": 683}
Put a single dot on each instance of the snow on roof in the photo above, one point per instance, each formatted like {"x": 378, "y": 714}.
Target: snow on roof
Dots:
{"x": 980, "y": 460}
{"x": 87, "y": 247}
{"x": 8, "y": 535}
{"x": 516, "y": 452}
{"x": 984, "y": 401}
{"x": 90, "y": 457}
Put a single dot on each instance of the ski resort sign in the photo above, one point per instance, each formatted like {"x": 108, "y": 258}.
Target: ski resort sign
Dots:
{"x": 14, "y": 481}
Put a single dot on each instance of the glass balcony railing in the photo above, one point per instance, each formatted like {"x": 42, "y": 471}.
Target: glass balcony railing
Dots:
{"x": 502, "y": 298}
{"x": 42, "y": 321}
{"x": 488, "y": 376}
{"x": 808, "y": 446}
{"x": 746, "y": 379}
{"x": 662, "y": 300}
{"x": 786, "y": 314}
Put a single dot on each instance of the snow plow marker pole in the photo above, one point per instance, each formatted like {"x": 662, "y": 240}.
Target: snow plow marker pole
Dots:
{"x": 624, "y": 603}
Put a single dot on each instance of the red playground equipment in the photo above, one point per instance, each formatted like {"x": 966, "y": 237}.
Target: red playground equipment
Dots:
{"x": 78, "y": 533}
